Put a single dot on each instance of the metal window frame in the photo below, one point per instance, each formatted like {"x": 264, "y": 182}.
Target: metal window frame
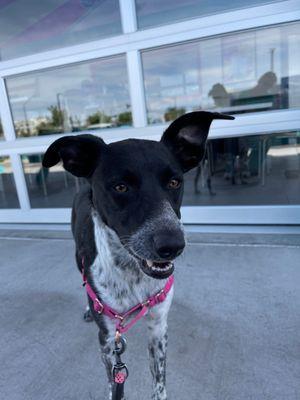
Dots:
{"x": 131, "y": 43}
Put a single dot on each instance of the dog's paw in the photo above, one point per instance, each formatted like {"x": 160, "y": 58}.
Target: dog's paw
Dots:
{"x": 88, "y": 316}
{"x": 159, "y": 395}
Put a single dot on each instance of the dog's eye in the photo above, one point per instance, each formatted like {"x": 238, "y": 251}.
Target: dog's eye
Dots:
{"x": 121, "y": 188}
{"x": 174, "y": 184}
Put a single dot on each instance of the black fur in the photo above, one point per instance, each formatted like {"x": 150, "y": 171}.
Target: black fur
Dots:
{"x": 133, "y": 217}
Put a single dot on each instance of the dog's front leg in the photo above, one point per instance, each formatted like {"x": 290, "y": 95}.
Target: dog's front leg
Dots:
{"x": 157, "y": 346}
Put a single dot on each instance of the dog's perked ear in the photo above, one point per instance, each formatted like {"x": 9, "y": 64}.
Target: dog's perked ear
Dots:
{"x": 186, "y": 137}
{"x": 79, "y": 154}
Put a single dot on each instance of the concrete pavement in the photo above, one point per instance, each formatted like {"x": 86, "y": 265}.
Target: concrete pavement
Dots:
{"x": 234, "y": 324}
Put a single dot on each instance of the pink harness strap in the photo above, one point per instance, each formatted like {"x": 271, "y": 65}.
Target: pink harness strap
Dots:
{"x": 102, "y": 308}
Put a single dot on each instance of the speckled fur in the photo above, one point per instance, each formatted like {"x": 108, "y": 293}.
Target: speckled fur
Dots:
{"x": 139, "y": 242}
{"x": 136, "y": 186}
{"x": 118, "y": 279}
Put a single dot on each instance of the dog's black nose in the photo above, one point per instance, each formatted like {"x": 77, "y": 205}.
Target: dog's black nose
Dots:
{"x": 168, "y": 246}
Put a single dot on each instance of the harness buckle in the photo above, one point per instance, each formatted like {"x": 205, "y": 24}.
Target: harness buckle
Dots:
{"x": 119, "y": 317}
{"x": 161, "y": 296}
{"x": 146, "y": 303}
{"x": 100, "y": 305}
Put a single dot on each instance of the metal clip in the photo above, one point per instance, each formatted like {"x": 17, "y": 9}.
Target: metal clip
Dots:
{"x": 101, "y": 306}
{"x": 119, "y": 317}
{"x": 146, "y": 303}
{"x": 120, "y": 347}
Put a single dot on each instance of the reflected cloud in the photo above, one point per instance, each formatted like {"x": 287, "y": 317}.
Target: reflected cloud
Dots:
{"x": 71, "y": 98}
{"x": 244, "y": 72}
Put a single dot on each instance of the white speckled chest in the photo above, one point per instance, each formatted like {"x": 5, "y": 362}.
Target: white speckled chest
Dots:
{"x": 116, "y": 275}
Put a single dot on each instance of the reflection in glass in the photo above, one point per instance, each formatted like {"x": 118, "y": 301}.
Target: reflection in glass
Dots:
{"x": 1, "y": 131}
{"x": 251, "y": 170}
{"x": 157, "y": 12}
{"x": 246, "y": 72}
{"x": 50, "y": 24}
{"x": 8, "y": 193}
{"x": 85, "y": 96}
{"x": 48, "y": 188}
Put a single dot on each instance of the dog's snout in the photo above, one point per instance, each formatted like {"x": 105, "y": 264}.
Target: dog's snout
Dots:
{"x": 169, "y": 246}
{"x": 168, "y": 252}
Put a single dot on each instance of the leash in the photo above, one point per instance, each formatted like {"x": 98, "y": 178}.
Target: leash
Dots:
{"x": 120, "y": 370}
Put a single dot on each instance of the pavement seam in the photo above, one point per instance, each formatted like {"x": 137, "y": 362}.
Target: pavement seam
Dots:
{"x": 285, "y": 246}
{"x": 212, "y": 244}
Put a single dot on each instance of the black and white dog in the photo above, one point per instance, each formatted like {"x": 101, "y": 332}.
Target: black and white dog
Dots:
{"x": 126, "y": 222}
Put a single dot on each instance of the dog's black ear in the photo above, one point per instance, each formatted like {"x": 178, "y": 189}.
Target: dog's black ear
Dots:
{"x": 80, "y": 154}
{"x": 186, "y": 136}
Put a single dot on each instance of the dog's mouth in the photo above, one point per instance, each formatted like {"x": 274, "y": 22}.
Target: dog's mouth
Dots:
{"x": 155, "y": 269}
{"x": 158, "y": 269}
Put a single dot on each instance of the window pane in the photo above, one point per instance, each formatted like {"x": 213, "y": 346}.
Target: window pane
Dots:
{"x": 157, "y": 12}
{"x": 83, "y": 96}
{"x": 246, "y": 72}
{"x": 8, "y": 193}
{"x": 252, "y": 170}
{"x": 34, "y": 26}
{"x": 49, "y": 188}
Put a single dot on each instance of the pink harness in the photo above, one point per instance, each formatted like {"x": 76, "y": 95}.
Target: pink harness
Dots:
{"x": 102, "y": 308}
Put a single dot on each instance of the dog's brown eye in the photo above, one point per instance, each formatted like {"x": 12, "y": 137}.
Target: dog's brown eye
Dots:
{"x": 121, "y": 188}
{"x": 174, "y": 184}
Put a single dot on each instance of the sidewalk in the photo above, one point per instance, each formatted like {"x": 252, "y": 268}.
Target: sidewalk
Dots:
{"x": 234, "y": 324}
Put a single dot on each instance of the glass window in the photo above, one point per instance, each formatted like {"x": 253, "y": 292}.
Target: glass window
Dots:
{"x": 8, "y": 193}
{"x": 84, "y": 96}
{"x": 34, "y": 26}
{"x": 49, "y": 188}
{"x": 249, "y": 71}
{"x": 156, "y": 12}
{"x": 251, "y": 170}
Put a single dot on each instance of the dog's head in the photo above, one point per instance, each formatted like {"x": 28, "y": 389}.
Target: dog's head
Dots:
{"x": 137, "y": 185}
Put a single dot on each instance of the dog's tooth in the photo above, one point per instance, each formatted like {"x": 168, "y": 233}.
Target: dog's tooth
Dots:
{"x": 149, "y": 263}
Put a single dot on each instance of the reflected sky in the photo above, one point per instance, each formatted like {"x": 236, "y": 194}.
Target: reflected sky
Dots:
{"x": 220, "y": 71}
{"x": 31, "y": 26}
{"x": 79, "y": 91}
{"x": 157, "y": 12}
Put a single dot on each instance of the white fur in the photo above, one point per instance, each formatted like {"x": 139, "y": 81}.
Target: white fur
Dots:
{"x": 111, "y": 280}
{"x": 122, "y": 284}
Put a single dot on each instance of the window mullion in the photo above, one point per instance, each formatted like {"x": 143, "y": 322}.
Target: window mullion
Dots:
{"x": 136, "y": 86}
{"x": 20, "y": 182}
{"x": 128, "y": 15}
{"x": 5, "y": 112}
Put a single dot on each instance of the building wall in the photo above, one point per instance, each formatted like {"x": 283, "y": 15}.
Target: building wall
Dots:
{"x": 127, "y": 68}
